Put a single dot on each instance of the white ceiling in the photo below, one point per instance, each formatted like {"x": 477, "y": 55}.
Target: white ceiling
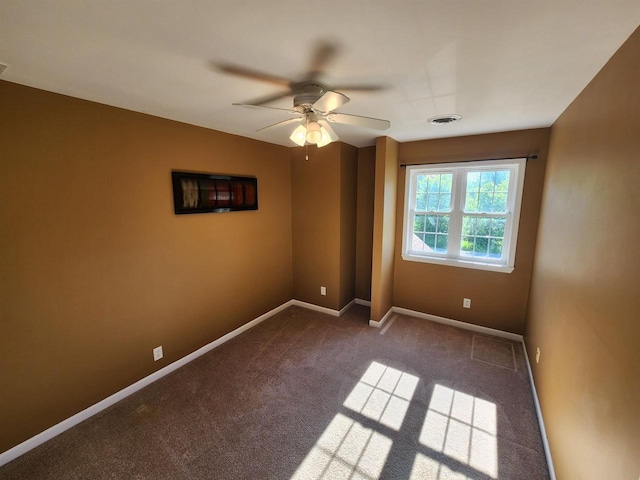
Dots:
{"x": 502, "y": 65}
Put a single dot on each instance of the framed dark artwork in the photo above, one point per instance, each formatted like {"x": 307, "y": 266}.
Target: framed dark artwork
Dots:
{"x": 205, "y": 193}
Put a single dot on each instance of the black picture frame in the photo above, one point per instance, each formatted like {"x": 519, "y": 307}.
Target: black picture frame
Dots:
{"x": 213, "y": 193}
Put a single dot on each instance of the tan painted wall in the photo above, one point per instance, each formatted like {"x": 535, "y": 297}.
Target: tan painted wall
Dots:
{"x": 364, "y": 235}
{"x": 96, "y": 270}
{"x": 498, "y": 300}
{"x": 384, "y": 221}
{"x": 583, "y": 311}
{"x": 348, "y": 213}
{"x": 324, "y": 224}
{"x": 316, "y": 224}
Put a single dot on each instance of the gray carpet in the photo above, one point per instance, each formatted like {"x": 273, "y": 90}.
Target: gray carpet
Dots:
{"x": 309, "y": 396}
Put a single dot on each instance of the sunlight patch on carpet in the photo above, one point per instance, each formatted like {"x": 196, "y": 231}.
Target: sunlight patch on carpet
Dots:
{"x": 346, "y": 449}
{"x": 426, "y": 468}
{"x": 464, "y": 428}
{"x": 383, "y": 394}
{"x": 349, "y": 450}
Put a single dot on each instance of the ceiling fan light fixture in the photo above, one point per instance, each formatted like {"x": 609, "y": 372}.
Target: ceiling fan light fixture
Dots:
{"x": 325, "y": 140}
{"x": 314, "y": 133}
{"x": 299, "y": 135}
{"x": 328, "y": 135}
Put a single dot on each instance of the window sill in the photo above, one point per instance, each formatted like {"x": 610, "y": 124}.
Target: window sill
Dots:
{"x": 459, "y": 263}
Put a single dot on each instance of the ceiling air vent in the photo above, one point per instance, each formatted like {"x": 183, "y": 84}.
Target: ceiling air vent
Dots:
{"x": 444, "y": 119}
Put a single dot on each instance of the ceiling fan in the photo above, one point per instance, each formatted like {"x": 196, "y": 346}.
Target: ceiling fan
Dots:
{"x": 314, "y": 104}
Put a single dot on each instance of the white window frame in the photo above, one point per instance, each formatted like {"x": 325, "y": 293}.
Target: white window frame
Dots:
{"x": 454, "y": 257}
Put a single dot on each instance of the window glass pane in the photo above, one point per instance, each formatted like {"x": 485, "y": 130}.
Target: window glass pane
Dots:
{"x": 444, "y": 204}
{"x": 485, "y": 202}
{"x": 482, "y": 244}
{"x": 446, "y": 181}
{"x": 430, "y": 240}
{"x": 418, "y": 242}
{"x": 433, "y": 192}
{"x": 468, "y": 225}
{"x": 487, "y": 181}
{"x": 487, "y": 191}
{"x": 443, "y": 224}
{"x": 502, "y": 180}
{"x": 471, "y": 202}
{"x": 499, "y": 202}
{"x": 482, "y": 236}
{"x": 430, "y": 233}
{"x": 473, "y": 181}
{"x": 421, "y": 186}
{"x": 430, "y": 224}
{"x": 466, "y": 245}
{"x": 432, "y": 202}
{"x": 497, "y": 227}
{"x": 434, "y": 184}
{"x": 483, "y": 226}
{"x": 421, "y": 201}
{"x": 495, "y": 247}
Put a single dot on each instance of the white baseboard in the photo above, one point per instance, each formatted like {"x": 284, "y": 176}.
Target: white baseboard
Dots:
{"x": 378, "y": 324}
{"x": 74, "y": 420}
{"x": 366, "y": 303}
{"x": 457, "y": 323}
{"x": 543, "y": 430}
{"x": 346, "y": 307}
{"x": 318, "y": 308}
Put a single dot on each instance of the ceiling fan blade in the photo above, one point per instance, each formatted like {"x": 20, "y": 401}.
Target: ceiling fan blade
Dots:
{"x": 250, "y": 105}
{"x": 359, "y": 88}
{"x": 323, "y": 54}
{"x": 252, "y": 74}
{"x": 330, "y": 101}
{"x": 257, "y": 102}
{"x": 368, "y": 122}
{"x": 284, "y": 122}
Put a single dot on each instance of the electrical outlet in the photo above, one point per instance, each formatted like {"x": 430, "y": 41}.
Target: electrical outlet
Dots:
{"x": 538, "y": 355}
{"x": 157, "y": 353}
{"x": 323, "y": 290}
{"x": 466, "y": 303}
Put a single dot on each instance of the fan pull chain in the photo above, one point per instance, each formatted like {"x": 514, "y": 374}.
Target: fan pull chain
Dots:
{"x": 306, "y": 156}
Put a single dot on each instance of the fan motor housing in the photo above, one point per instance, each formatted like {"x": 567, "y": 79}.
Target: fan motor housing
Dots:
{"x": 303, "y": 102}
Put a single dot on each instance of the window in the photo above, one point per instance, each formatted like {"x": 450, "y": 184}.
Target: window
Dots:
{"x": 464, "y": 214}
